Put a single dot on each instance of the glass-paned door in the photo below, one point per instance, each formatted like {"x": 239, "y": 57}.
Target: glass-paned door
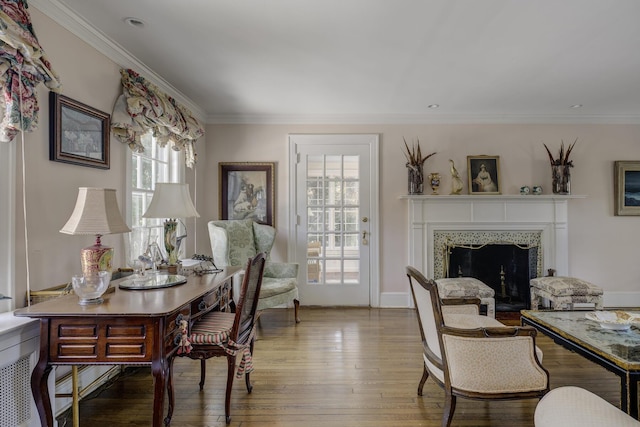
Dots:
{"x": 333, "y": 230}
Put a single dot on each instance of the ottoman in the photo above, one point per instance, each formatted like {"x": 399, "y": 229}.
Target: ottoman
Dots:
{"x": 468, "y": 287}
{"x": 564, "y": 292}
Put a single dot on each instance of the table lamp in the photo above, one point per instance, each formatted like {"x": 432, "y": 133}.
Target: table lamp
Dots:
{"x": 96, "y": 212}
{"x": 171, "y": 201}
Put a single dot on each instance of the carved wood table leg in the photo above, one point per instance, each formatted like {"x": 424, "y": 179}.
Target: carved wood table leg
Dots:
{"x": 39, "y": 377}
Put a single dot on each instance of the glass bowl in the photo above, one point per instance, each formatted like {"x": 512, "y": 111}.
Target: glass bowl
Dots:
{"x": 90, "y": 288}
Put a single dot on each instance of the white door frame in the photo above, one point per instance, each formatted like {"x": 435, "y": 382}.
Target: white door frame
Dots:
{"x": 372, "y": 141}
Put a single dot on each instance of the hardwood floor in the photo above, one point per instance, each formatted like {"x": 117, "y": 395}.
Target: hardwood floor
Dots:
{"x": 349, "y": 367}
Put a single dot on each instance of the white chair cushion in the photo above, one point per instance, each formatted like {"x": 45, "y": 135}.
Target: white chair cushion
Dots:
{"x": 576, "y": 407}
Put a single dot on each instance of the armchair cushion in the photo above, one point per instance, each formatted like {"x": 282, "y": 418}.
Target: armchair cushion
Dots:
{"x": 239, "y": 240}
{"x": 264, "y": 236}
{"x": 281, "y": 270}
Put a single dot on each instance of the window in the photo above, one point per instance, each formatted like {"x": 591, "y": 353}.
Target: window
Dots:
{"x": 156, "y": 164}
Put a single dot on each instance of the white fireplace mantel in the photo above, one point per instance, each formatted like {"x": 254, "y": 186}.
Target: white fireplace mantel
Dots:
{"x": 545, "y": 213}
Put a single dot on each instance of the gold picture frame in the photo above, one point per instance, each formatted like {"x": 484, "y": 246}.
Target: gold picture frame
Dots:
{"x": 247, "y": 191}
{"x": 484, "y": 174}
{"x": 626, "y": 186}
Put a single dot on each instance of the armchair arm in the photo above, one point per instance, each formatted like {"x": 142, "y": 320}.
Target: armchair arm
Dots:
{"x": 281, "y": 270}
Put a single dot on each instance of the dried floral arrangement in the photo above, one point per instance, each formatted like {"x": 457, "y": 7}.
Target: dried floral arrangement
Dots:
{"x": 414, "y": 155}
{"x": 563, "y": 157}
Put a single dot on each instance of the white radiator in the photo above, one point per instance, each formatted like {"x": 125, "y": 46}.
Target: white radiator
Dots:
{"x": 19, "y": 347}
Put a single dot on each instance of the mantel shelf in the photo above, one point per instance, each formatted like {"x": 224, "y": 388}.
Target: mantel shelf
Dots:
{"x": 479, "y": 197}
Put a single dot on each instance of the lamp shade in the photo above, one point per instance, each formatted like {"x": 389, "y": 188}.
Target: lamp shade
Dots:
{"x": 171, "y": 200}
{"x": 96, "y": 213}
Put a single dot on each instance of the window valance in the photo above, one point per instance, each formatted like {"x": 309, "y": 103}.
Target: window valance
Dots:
{"x": 143, "y": 107}
{"x": 23, "y": 64}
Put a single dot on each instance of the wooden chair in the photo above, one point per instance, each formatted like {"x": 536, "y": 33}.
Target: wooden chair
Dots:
{"x": 474, "y": 356}
{"x": 219, "y": 334}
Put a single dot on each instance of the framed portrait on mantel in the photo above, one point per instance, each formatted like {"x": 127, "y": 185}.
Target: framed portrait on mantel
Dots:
{"x": 247, "y": 191}
{"x": 484, "y": 174}
{"x": 626, "y": 182}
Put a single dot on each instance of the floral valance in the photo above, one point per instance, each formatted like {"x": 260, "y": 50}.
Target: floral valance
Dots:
{"x": 143, "y": 107}
{"x": 23, "y": 64}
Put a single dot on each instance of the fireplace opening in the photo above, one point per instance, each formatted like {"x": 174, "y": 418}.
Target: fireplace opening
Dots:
{"x": 507, "y": 268}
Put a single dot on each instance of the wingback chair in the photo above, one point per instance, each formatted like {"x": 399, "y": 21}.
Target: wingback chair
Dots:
{"x": 474, "y": 356}
{"x": 235, "y": 241}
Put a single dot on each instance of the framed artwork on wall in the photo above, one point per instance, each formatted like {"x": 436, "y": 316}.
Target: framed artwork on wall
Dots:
{"x": 484, "y": 174}
{"x": 247, "y": 191}
{"x": 626, "y": 183}
{"x": 78, "y": 134}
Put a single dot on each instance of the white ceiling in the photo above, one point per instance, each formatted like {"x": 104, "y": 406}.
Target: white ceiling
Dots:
{"x": 379, "y": 60}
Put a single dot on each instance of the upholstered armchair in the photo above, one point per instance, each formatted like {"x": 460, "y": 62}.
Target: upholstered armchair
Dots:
{"x": 235, "y": 241}
{"x": 474, "y": 356}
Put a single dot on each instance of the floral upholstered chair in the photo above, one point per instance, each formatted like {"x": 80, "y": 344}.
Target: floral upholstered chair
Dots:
{"x": 474, "y": 356}
{"x": 235, "y": 241}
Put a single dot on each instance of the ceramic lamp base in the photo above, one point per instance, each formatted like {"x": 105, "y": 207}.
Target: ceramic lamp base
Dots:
{"x": 96, "y": 258}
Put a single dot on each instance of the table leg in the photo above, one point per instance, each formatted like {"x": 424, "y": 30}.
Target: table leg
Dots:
{"x": 159, "y": 371}
{"x": 629, "y": 394}
{"x": 39, "y": 377}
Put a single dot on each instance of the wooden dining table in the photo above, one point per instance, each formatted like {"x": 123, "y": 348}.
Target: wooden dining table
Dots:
{"x": 131, "y": 327}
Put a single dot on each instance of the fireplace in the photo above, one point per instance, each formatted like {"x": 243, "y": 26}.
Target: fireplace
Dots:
{"x": 505, "y": 261}
{"x": 438, "y": 224}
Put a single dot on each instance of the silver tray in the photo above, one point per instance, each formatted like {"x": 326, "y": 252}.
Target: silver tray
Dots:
{"x": 153, "y": 282}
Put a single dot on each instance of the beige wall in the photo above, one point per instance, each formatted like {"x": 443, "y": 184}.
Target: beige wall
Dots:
{"x": 603, "y": 247}
{"x": 52, "y": 187}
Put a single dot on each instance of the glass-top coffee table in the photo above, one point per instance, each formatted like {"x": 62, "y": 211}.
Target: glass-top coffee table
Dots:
{"x": 616, "y": 350}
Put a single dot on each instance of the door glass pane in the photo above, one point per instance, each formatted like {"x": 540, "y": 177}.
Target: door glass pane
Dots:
{"x": 351, "y": 167}
{"x": 333, "y": 222}
{"x": 351, "y": 193}
{"x": 334, "y": 271}
{"x": 351, "y": 271}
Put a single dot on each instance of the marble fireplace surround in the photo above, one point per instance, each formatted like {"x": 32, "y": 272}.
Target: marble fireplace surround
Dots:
{"x": 539, "y": 219}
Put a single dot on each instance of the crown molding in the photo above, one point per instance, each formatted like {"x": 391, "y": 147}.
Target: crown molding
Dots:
{"x": 77, "y": 25}
{"x": 355, "y": 119}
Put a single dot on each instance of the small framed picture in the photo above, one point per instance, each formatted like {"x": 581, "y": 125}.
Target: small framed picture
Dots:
{"x": 247, "y": 191}
{"x": 626, "y": 183}
{"x": 484, "y": 174}
{"x": 78, "y": 134}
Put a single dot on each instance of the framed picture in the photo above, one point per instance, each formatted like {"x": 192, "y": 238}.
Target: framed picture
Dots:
{"x": 484, "y": 174}
{"x": 247, "y": 190}
{"x": 78, "y": 133}
{"x": 626, "y": 183}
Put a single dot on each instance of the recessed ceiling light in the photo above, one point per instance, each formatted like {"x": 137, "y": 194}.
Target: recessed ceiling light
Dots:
{"x": 134, "y": 22}
{"x": 433, "y": 106}
{"x": 575, "y": 106}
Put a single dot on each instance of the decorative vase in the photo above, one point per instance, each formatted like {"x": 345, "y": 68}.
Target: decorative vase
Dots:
{"x": 561, "y": 179}
{"x": 416, "y": 180}
{"x": 434, "y": 181}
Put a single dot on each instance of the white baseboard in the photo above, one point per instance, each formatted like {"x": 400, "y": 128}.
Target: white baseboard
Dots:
{"x": 610, "y": 299}
{"x": 395, "y": 300}
{"x": 621, "y": 299}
